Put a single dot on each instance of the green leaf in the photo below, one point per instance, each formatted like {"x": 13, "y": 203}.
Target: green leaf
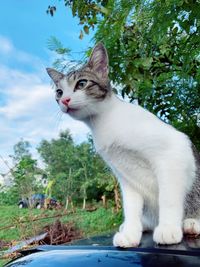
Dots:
{"x": 81, "y": 35}
{"x": 86, "y": 29}
{"x": 147, "y": 62}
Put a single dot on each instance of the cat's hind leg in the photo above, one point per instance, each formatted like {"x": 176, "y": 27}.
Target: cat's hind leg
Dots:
{"x": 172, "y": 184}
{"x": 191, "y": 222}
{"x": 191, "y": 226}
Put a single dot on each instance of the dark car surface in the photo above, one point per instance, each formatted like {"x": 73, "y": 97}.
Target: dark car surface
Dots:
{"x": 99, "y": 252}
{"x": 36, "y": 201}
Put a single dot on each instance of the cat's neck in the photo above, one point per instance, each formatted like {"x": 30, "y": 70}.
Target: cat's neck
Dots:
{"x": 103, "y": 110}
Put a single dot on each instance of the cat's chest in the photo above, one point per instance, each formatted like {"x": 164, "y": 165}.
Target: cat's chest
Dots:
{"x": 130, "y": 165}
{"x": 125, "y": 148}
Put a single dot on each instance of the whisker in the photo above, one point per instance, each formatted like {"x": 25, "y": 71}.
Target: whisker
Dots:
{"x": 59, "y": 120}
{"x": 56, "y": 118}
{"x": 53, "y": 115}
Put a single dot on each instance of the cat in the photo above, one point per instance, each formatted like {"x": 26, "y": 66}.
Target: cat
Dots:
{"x": 157, "y": 166}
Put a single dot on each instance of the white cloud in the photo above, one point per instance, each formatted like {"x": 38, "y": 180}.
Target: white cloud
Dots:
{"x": 28, "y": 109}
{"x": 6, "y": 45}
{"x": 23, "y": 93}
{"x": 23, "y": 101}
{"x": 10, "y": 54}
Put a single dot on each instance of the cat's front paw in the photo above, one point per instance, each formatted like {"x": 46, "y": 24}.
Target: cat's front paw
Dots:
{"x": 167, "y": 234}
{"x": 127, "y": 239}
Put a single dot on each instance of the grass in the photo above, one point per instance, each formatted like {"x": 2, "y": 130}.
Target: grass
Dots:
{"x": 19, "y": 224}
{"x": 12, "y": 216}
{"x": 98, "y": 222}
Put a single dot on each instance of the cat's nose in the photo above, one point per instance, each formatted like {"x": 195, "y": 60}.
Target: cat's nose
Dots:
{"x": 66, "y": 101}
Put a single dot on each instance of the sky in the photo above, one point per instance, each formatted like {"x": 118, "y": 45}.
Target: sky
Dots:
{"x": 28, "y": 109}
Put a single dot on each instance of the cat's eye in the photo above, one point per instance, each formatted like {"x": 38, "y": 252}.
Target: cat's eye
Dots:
{"x": 80, "y": 84}
{"x": 59, "y": 93}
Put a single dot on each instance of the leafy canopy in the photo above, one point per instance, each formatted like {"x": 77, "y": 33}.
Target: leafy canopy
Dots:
{"x": 154, "y": 54}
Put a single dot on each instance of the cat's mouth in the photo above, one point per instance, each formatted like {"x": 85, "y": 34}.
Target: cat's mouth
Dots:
{"x": 71, "y": 110}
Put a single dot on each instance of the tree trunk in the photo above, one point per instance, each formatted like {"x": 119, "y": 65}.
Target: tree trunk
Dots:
{"x": 84, "y": 203}
{"x": 104, "y": 201}
{"x": 117, "y": 198}
{"x": 84, "y": 198}
{"x": 67, "y": 203}
{"x": 72, "y": 205}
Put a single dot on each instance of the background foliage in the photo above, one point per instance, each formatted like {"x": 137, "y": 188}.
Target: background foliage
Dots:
{"x": 79, "y": 174}
{"x": 154, "y": 53}
{"x": 74, "y": 172}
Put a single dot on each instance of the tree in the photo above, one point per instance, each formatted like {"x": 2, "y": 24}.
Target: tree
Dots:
{"x": 24, "y": 173}
{"x": 25, "y": 183}
{"x": 76, "y": 169}
{"x": 21, "y": 150}
{"x": 57, "y": 152}
{"x": 153, "y": 51}
{"x": 58, "y": 155}
{"x": 84, "y": 156}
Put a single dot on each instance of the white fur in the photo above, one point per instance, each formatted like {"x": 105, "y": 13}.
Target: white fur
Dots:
{"x": 153, "y": 162}
{"x": 191, "y": 226}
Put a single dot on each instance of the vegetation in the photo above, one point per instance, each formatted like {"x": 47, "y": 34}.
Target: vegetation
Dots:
{"x": 24, "y": 174}
{"x": 24, "y": 226}
{"x": 77, "y": 172}
{"x": 90, "y": 223}
{"x": 154, "y": 53}
{"x": 74, "y": 173}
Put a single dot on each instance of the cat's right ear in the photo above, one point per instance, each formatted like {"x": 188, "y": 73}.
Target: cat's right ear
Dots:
{"x": 98, "y": 61}
{"x": 55, "y": 75}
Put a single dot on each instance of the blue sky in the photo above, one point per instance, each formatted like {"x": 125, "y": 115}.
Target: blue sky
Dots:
{"x": 27, "y": 106}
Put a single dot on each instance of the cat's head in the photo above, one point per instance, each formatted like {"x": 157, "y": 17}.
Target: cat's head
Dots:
{"x": 80, "y": 92}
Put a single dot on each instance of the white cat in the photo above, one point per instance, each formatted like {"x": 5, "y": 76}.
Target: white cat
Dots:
{"x": 156, "y": 165}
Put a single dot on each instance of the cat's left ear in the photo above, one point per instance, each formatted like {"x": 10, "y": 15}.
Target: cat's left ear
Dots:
{"x": 98, "y": 61}
{"x": 55, "y": 75}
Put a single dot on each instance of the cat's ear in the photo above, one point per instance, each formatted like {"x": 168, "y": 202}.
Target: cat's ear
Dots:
{"x": 55, "y": 75}
{"x": 98, "y": 61}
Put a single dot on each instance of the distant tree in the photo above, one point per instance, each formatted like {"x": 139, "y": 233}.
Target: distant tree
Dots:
{"x": 21, "y": 150}
{"x": 57, "y": 152}
{"x": 58, "y": 155}
{"x": 75, "y": 169}
{"x": 24, "y": 173}
{"x": 25, "y": 182}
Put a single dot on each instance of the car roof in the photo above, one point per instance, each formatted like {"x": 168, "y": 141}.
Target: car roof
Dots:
{"x": 98, "y": 251}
